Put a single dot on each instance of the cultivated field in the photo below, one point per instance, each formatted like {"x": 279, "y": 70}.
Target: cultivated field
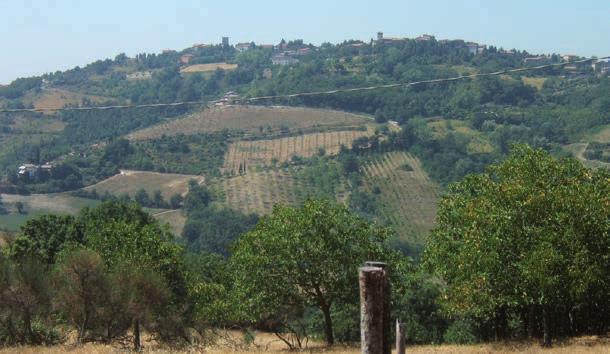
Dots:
{"x": 408, "y": 198}
{"x": 264, "y": 152}
{"x": 257, "y": 192}
{"x": 131, "y": 181}
{"x": 253, "y": 120}
{"x": 202, "y": 68}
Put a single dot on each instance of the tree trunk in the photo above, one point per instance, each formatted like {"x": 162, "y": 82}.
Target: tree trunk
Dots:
{"x": 83, "y": 327}
{"x": 400, "y": 337}
{"x": 372, "y": 283}
{"x": 546, "y": 326}
{"x": 328, "y": 326}
{"x": 531, "y": 320}
{"x": 27, "y": 328}
{"x": 136, "y": 336}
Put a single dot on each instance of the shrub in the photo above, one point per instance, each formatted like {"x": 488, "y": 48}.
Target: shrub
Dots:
{"x": 461, "y": 332}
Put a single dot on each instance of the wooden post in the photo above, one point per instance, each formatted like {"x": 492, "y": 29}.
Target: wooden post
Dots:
{"x": 400, "y": 337}
{"x": 387, "y": 298}
{"x": 372, "y": 284}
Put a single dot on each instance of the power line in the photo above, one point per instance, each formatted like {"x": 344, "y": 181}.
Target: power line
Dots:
{"x": 303, "y": 94}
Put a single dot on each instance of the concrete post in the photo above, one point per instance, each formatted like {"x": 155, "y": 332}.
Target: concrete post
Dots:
{"x": 400, "y": 337}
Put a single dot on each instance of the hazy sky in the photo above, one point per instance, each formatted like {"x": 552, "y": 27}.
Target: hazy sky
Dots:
{"x": 44, "y": 35}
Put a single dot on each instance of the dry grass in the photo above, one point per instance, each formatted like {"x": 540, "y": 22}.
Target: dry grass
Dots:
{"x": 478, "y": 143}
{"x": 578, "y": 151}
{"x": 408, "y": 199}
{"x": 602, "y": 136}
{"x": 174, "y": 218}
{"x": 202, "y": 68}
{"x": 537, "y": 82}
{"x": 58, "y": 98}
{"x": 267, "y": 343}
{"x": 264, "y": 152}
{"x": 56, "y": 202}
{"x": 131, "y": 181}
{"x": 251, "y": 119}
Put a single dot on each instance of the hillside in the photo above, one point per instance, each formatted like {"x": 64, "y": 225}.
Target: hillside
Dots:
{"x": 253, "y": 120}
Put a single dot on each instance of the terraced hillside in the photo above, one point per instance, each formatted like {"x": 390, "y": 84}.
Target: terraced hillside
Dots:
{"x": 407, "y": 197}
{"x": 246, "y": 154}
{"x": 131, "y": 181}
{"x": 253, "y": 120}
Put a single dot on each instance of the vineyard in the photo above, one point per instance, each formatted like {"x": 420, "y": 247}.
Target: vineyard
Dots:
{"x": 130, "y": 182}
{"x": 254, "y": 120}
{"x": 257, "y": 192}
{"x": 407, "y": 197}
{"x": 245, "y": 154}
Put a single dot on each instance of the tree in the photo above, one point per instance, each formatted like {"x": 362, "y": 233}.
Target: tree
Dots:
{"x": 305, "y": 256}
{"x": 20, "y": 207}
{"x": 175, "y": 202}
{"x": 142, "y": 197}
{"x": 158, "y": 201}
{"x": 45, "y": 236}
{"x": 530, "y": 233}
{"x": 81, "y": 287}
{"x": 24, "y": 298}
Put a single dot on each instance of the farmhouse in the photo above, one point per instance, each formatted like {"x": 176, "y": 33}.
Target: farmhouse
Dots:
{"x": 569, "y": 57}
{"x": 31, "y": 170}
{"x": 242, "y": 47}
{"x": 283, "y": 59}
{"x": 475, "y": 48}
{"x": 536, "y": 59}
{"x": 601, "y": 66}
{"x": 139, "y": 75}
{"x": 186, "y": 58}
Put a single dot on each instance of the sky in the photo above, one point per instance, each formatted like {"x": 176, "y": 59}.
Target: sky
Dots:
{"x": 43, "y": 36}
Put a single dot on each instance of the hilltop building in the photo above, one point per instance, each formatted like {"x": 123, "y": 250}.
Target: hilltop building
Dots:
{"x": 424, "y": 37}
{"x": 388, "y": 40}
{"x": 225, "y": 41}
{"x": 475, "y": 48}
{"x": 242, "y": 47}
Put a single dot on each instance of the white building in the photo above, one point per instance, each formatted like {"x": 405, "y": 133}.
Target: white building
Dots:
{"x": 242, "y": 47}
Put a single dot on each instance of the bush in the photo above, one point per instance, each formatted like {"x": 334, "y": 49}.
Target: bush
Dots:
{"x": 461, "y": 332}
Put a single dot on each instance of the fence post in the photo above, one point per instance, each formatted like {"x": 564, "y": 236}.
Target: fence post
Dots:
{"x": 400, "y": 337}
{"x": 387, "y": 298}
{"x": 373, "y": 283}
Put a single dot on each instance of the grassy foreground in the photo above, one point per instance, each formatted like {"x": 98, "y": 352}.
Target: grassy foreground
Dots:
{"x": 267, "y": 343}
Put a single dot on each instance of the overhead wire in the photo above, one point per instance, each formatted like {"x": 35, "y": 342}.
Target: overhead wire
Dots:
{"x": 302, "y": 94}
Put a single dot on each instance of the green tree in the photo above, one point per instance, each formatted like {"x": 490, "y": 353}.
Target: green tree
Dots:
{"x": 142, "y": 197}
{"x": 530, "y": 232}
{"x": 44, "y": 236}
{"x": 305, "y": 256}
